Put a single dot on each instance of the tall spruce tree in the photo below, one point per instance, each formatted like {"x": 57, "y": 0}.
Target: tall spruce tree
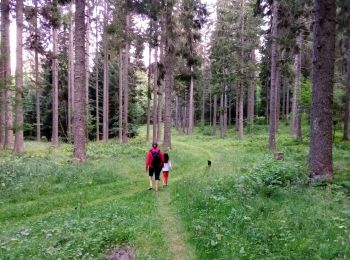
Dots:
{"x": 79, "y": 153}
{"x": 321, "y": 161}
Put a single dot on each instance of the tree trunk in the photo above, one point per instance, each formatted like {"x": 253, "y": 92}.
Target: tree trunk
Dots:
{"x": 19, "y": 144}
{"x": 225, "y": 110}
{"x": 222, "y": 115}
{"x": 96, "y": 83}
{"x": 267, "y": 112}
{"x": 6, "y": 56}
{"x": 298, "y": 90}
{"x": 37, "y": 87}
{"x": 149, "y": 93}
{"x": 54, "y": 138}
{"x": 287, "y": 101}
{"x": 191, "y": 107}
{"x": 159, "y": 113}
{"x": 177, "y": 113}
{"x": 155, "y": 90}
{"x": 347, "y": 102}
{"x": 169, "y": 77}
{"x": 87, "y": 63}
{"x": 242, "y": 74}
{"x": 184, "y": 115}
{"x": 324, "y": 29}
{"x": 229, "y": 119}
{"x": 210, "y": 109}
{"x": 203, "y": 108}
{"x": 79, "y": 153}
{"x": 2, "y": 97}
{"x": 120, "y": 132}
{"x": 71, "y": 73}
{"x": 274, "y": 86}
{"x": 241, "y": 99}
{"x": 251, "y": 98}
{"x": 278, "y": 97}
{"x": 126, "y": 83}
{"x": 283, "y": 88}
{"x": 162, "y": 81}
{"x": 168, "y": 84}
{"x": 296, "y": 87}
{"x": 105, "y": 134}
{"x": 237, "y": 111}
{"x": 214, "y": 115}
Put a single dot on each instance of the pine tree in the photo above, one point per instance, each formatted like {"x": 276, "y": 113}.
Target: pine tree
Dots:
{"x": 79, "y": 118}
{"x": 7, "y": 116}
{"x": 19, "y": 143}
{"x": 321, "y": 164}
{"x": 274, "y": 86}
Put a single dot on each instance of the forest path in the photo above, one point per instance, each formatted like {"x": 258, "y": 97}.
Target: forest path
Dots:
{"x": 175, "y": 234}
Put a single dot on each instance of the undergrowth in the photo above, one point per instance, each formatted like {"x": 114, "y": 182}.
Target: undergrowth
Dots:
{"x": 247, "y": 205}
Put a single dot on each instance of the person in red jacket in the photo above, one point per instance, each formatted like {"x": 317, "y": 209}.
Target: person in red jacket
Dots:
{"x": 154, "y": 164}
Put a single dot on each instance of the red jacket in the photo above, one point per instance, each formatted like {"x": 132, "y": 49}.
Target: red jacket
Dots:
{"x": 149, "y": 157}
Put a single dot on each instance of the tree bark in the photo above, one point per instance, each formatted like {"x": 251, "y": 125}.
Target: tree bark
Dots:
{"x": 126, "y": 83}
{"x": 54, "y": 90}
{"x": 287, "y": 101}
{"x": 79, "y": 153}
{"x": 191, "y": 107}
{"x": 203, "y": 108}
{"x": 155, "y": 90}
{"x": 273, "y": 90}
{"x": 169, "y": 61}
{"x": 120, "y": 132}
{"x": 214, "y": 114}
{"x": 237, "y": 111}
{"x": 19, "y": 143}
{"x": 87, "y": 63}
{"x": 37, "y": 87}
{"x": 229, "y": 119}
{"x": 70, "y": 73}
{"x": 96, "y": 83}
{"x": 347, "y": 101}
{"x": 296, "y": 87}
{"x": 242, "y": 74}
{"x": 2, "y": 90}
{"x": 321, "y": 164}
{"x": 177, "y": 113}
{"x": 283, "y": 86}
{"x": 241, "y": 99}
{"x": 278, "y": 96}
{"x": 6, "y": 56}
{"x": 159, "y": 113}
{"x": 210, "y": 108}
{"x": 225, "y": 111}
{"x": 168, "y": 84}
{"x": 222, "y": 135}
{"x": 105, "y": 134}
{"x": 251, "y": 98}
{"x": 149, "y": 93}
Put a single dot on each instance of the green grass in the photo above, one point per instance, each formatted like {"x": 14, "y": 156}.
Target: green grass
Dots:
{"x": 246, "y": 206}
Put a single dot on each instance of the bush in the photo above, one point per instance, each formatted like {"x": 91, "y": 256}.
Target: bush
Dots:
{"x": 271, "y": 174}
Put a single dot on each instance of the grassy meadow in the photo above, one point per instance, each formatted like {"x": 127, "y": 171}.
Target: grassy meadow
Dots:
{"x": 245, "y": 206}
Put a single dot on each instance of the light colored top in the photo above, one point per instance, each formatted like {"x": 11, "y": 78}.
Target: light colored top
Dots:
{"x": 167, "y": 166}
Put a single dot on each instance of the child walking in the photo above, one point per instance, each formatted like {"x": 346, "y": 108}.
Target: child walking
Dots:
{"x": 166, "y": 169}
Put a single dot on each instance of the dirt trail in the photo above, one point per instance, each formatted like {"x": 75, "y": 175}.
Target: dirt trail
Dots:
{"x": 174, "y": 234}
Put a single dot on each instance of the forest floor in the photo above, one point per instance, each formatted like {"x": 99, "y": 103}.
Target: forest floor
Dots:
{"x": 247, "y": 205}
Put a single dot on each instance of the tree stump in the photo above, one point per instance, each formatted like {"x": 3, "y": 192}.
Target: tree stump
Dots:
{"x": 278, "y": 155}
